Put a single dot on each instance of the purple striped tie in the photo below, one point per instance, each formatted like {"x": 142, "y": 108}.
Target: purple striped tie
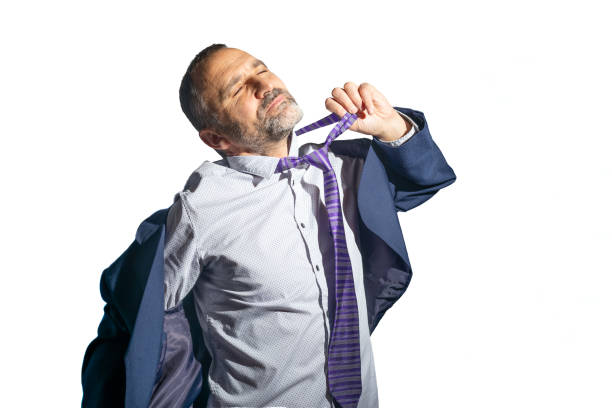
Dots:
{"x": 343, "y": 364}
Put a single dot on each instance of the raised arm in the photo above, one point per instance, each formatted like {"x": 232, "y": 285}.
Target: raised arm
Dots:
{"x": 416, "y": 168}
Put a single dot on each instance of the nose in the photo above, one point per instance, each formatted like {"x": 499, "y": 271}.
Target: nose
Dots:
{"x": 263, "y": 87}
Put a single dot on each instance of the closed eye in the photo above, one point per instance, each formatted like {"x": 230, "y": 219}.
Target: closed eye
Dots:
{"x": 241, "y": 87}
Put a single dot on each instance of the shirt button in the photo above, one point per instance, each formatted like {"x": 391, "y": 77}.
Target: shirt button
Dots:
{"x": 293, "y": 182}
{"x": 317, "y": 267}
{"x": 303, "y": 225}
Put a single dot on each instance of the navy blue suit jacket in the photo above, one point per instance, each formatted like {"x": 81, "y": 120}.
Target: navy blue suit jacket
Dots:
{"x": 123, "y": 363}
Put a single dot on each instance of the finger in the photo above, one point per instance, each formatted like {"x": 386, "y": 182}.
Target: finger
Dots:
{"x": 332, "y": 105}
{"x": 366, "y": 92}
{"x": 340, "y": 96}
{"x": 351, "y": 90}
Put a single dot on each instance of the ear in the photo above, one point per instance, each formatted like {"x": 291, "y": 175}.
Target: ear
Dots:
{"x": 215, "y": 140}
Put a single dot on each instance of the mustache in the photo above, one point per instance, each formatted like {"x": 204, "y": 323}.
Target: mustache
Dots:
{"x": 272, "y": 95}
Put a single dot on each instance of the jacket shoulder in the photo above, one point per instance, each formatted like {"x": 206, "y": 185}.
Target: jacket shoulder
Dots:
{"x": 351, "y": 147}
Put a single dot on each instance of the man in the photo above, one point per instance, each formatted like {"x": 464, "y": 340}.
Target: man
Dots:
{"x": 248, "y": 257}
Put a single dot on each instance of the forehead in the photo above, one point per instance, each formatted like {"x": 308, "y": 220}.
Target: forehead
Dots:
{"x": 224, "y": 66}
{"x": 224, "y": 59}
{"x": 226, "y": 63}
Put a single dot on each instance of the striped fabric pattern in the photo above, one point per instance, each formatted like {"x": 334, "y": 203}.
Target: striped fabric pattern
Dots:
{"x": 343, "y": 364}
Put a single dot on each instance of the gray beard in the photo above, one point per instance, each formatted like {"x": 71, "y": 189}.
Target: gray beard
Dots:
{"x": 271, "y": 130}
{"x": 276, "y": 128}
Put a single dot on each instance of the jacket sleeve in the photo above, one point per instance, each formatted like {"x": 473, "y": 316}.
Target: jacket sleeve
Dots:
{"x": 416, "y": 168}
{"x": 103, "y": 371}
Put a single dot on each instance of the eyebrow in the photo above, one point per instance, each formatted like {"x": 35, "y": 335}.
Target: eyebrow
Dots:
{"x": 237, "y": 78}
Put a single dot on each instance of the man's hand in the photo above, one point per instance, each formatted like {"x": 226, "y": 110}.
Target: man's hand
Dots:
{"x": 376, "y": 116}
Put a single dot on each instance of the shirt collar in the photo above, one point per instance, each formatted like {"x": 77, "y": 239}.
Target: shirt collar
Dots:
{"x": 262, "y": 166}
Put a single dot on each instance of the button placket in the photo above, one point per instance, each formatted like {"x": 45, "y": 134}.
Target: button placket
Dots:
{"x": 309, "y": 234}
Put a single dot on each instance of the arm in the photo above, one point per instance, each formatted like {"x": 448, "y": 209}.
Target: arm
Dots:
{"x": 416, "y": 168}
{"x": 179, "y": 370}
{"x": 181, "y": 253}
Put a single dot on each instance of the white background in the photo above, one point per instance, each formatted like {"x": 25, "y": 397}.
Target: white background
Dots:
{"x": 510, "y": 302}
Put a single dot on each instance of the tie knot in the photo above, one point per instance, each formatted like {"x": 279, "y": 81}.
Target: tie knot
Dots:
{"x": 318, "y": 158}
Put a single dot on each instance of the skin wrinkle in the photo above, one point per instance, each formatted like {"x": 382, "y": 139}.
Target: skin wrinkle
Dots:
{"x": 225, "y": 91}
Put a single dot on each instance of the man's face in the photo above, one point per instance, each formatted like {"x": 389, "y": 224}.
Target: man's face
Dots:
{"x": 254, "y": 105}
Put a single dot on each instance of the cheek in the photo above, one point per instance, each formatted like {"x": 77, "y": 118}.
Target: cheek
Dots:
{"x": 245, "y": 113}
{"x": 248, "y": 109}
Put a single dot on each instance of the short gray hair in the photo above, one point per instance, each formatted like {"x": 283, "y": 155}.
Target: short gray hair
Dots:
{"x": 193, "y": 104}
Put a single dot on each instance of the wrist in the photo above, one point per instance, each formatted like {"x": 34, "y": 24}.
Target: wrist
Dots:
{"x": 398, "y": 128}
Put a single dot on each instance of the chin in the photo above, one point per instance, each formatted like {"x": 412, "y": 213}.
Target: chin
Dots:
{"x": 284, "y": 122}
{"x": 292, "y": 115}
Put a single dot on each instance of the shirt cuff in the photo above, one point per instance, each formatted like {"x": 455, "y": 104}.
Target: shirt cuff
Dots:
{"x": 401, "y": 140}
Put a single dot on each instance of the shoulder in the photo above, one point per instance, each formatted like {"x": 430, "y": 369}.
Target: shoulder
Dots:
{"x": 205, "y": 170}
{"x": 204, "y": 187}
{"x": 204, "y": 177}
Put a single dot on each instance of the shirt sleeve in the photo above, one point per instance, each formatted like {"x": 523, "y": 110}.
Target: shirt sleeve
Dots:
{"x": 403, "y": 139}
{"x": 181, "y": 257}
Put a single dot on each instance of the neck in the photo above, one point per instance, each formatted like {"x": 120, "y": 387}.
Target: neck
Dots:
{"x": 280, "y": 149}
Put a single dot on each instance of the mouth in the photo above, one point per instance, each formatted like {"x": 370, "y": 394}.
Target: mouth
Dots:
{"x": 275, "y": 102}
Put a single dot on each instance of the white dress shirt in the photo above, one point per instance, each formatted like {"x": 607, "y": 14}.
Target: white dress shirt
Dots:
{"x": 255, "y": 248}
